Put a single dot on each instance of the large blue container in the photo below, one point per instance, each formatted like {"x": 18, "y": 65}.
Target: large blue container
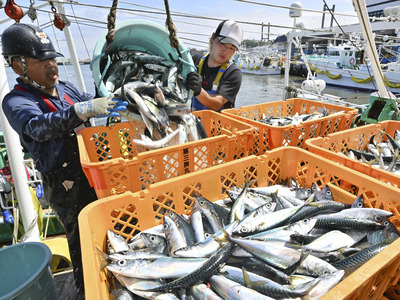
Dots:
{"x": 25, "y": 272}
{"x": 138, "y": 35}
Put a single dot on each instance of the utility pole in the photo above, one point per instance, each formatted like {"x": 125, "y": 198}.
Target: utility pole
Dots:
{"x": 326, "y": 8}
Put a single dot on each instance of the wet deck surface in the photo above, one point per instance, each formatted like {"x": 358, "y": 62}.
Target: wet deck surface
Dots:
{"x": 65, "y": 286}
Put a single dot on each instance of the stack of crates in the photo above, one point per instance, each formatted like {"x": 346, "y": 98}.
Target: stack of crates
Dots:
{"x": 130, "y": 213}
{"x": 268, "y": 137}
{"x": 135, "y": 188}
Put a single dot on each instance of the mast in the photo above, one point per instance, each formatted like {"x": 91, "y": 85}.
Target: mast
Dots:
{"x": 72, "y": 50}
{"x": 361, "y": 9}
{"x": 294, "y": 12}
{"x": 18, "y": 170}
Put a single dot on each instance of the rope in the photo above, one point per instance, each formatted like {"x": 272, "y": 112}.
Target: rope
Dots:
{"x": 173, "y": 39}
{"x": 80, "y": 31}
{"x": 112, "y": 16}
{"x": 100, "y": 82}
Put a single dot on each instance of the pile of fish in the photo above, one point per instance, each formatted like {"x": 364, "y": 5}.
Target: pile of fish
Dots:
{"x": 383, "y": 154}
{"x": 275, "y": 242}
{"x": 295, "y": 119}
{"x": 156, "y": 94}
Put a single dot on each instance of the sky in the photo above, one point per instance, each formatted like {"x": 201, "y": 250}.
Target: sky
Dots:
{"x": 195, "y": 22}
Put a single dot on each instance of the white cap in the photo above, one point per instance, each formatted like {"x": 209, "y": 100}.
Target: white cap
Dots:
{"x": 229, "y": 32}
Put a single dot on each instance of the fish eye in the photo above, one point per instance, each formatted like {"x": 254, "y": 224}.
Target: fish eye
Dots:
{"x": 359, "y": 204}
{"x": 378, "y": 218}
{"x": 152, "y": 238}
{"x": 269, "y": 205}
{"x": 308, "y": 190}
{"x": 165, "y": 226}
{"x": 207, "y": 235}
{"x": 306, "y": 221}
{"x": 121, "y": 262}
{"x": 244, "y": 230}
{"x": 386, "y": 223}
{"x": 329, "y": 193}
{"x": 171, "y": 214}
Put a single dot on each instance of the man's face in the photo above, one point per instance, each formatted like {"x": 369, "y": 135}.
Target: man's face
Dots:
{"x": 222, "y": 52}
{"x": 43, "y": 72}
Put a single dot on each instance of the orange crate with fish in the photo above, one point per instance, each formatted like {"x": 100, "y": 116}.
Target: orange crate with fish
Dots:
{"x": 130, "y": 213}
{"x": 268, "y": 137}
{"x": 113, "y": 164}
{"x": 337, "y": 147}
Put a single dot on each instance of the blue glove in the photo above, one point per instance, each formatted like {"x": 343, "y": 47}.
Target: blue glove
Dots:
{"x": 7, "y": 217}
{"x": 39, "y": 191}
{"x": 119, "y": 106}
{"x": 99, "y": 107}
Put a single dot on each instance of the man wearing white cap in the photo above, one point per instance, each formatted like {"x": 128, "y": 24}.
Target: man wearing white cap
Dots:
{"x": 218, "y": 79}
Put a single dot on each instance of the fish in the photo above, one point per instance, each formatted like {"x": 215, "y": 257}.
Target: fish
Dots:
{"x": 354, "y": 261}
{"x": 138, "y": 287}
{"x": 208, "y": 246}
{"x": 156, "y": 144}
{"x": 300, "y": 253}
{"x": 163, "y": 267}
{"x": 231, "y": 290}
{"x": 175, "y": 239}
{"x": 334, "y": 240}
{"x": 203, "y": 292}
{"x": 253, "y": 223}
{"x": 264, "y": 285}
{"x": 216, "y": 215}
{"x": 183, "y": 226}
{"x": 117, "y": 242}
{"x": 272, "y": 252}
{"x": 155, "y": 242}
{"x": 285, "y": 232}
{"x": 382, "y": 154}
{"x": 205, "y": 271}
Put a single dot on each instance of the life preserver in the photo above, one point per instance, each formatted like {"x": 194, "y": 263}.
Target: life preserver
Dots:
{"x": 352, "y": 61}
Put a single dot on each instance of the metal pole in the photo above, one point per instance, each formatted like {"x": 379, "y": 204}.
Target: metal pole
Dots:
{"x": 288, "y": 55}
{"x": 361, "y": 9}
{"x": 74, "y": 58}
{"x": 72, "y": 53}
{"x": 262, "y": 33}
{"x": 323, "y": 16}
{"x": 15, "y": 156}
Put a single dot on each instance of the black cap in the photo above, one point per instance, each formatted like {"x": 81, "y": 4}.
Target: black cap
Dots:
{"x": 27, "y": 40}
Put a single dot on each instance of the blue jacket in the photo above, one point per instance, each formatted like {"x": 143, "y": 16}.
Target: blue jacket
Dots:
{"x": 47, "y": 135}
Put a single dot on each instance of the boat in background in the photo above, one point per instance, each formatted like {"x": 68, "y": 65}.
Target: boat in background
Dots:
{"x": 259, "y": 64}
{"x": 345, "y": 65}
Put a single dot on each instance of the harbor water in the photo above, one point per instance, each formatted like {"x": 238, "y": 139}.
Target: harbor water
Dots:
{"x": 254, "y": 90}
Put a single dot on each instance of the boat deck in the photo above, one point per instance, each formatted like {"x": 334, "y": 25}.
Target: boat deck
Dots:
{"x": 65, "y": 286}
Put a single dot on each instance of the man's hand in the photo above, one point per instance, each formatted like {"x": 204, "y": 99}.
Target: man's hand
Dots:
{"x": 194, "y": 82}
{"x": 99, "y": 107}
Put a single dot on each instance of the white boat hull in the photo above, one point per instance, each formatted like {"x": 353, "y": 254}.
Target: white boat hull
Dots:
{"x": 356, "y": 79}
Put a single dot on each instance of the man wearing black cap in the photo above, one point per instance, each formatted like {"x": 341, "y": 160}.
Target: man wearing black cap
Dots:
{"x": 218, "y": 79}
{"x": 44, "y": 112}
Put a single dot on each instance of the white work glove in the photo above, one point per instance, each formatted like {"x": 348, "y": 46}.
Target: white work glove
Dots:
{"x": 99, "y": 107}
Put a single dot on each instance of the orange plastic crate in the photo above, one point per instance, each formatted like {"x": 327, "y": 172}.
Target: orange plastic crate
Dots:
{"x": 267, "y": 137}
{"x": 130, "y": 213}
{"x": 358, "y": 138}
{"x": 114, "y": 165}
